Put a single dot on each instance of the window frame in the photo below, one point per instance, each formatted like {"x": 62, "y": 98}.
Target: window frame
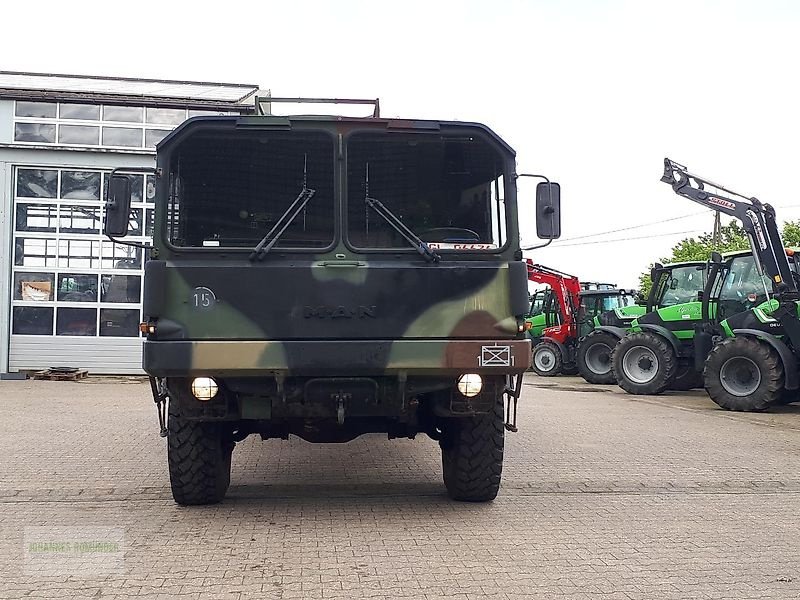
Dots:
{"x": 58, "y": 267}
{"x": 508, "y": 199}
{"x": 164, "y": 195}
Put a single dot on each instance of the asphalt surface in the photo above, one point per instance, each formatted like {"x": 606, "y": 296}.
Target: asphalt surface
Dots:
{"x": 604, "y": 495}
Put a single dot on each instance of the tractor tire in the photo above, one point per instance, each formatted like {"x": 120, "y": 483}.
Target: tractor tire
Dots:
{"x": 594, "y": 357}
{"x": 199, "y": 457}
{"x": 546, "y": 359}
{"x": 644, "y": 363}
{"x": 744, "y": 374}
{"x": 569, "y": 369}
{"x": 472, "y": 455}
{"x": 687, "y": 379}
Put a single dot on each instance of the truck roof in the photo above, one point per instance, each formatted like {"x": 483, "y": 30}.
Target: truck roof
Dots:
{"x": 285, "y": 122}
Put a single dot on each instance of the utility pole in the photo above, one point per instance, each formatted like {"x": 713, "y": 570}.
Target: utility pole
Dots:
{"x": 717, "y": 235}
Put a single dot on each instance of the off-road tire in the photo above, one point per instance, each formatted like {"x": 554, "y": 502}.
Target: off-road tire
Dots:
{"x": 472, "y": 455}
{"x": 569, "y": 369}
{"x": 664, "y": 373}
{"x": 591, "y": 342}
{"x": 770, "y": 390}
{"x": 199, "y": 457}
{"x": 555, "y": 360}
{"x": 687, "y": 378}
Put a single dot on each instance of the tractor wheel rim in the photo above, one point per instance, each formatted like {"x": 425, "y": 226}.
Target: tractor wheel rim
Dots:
{"x": 598, "y": 358}
{"x": 545, "y": 359}
{"x": 740, "y": 376}
{"x": 640, "y": 364}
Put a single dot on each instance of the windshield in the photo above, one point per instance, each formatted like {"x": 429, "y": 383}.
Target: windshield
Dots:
{"x": 448, "y": 190}
{"x": 682, "y": 284}
{"x": 744, "y": 287}
{"x": 537, "y": 303}
{"x": 612, "y": 302}
{"x": 230, "y": 189}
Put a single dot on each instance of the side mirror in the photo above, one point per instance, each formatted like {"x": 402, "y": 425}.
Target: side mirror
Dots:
{"x": 548, "y": 211}
{"x": 673, "y": 285}
{"x": 118, "y": 206}
{"x": 700, "y": 295}
{"x": 654, "y": 272}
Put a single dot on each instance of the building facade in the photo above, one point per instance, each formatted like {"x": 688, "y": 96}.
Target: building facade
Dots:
{"x": 68, "y": 295}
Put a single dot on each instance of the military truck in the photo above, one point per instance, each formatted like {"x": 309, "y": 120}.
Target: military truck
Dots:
{"x": 328, "y": 277}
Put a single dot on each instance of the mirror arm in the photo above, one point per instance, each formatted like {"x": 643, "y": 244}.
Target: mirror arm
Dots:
{"x": 116, "y": 240}
{"x": 544, "y": 177}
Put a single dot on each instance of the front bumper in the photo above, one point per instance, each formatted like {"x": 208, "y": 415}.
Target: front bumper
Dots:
{"x": 333, "y": 357}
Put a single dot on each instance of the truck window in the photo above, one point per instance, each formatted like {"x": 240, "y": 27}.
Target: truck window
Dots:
{"x": 229, "y": 190}
{"x": 449, "y": 190}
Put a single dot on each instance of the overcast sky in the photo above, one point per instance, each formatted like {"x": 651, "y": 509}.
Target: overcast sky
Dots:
{"x": 594, "y": 94}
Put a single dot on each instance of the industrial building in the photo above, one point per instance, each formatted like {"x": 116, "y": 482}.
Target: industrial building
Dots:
{"x": 68, "y": 295}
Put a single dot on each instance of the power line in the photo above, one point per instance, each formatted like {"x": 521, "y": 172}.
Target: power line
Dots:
{"x": 589, "y": 235}
{"x": 627, "y": 239}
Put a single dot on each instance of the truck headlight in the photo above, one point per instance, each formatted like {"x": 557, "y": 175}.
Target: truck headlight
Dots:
{"x": 470, "y": 384}
{"x": 204, "y": 388}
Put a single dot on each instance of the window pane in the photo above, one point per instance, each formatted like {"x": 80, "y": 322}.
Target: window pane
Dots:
{"x": 75, "y": 287}
{"x": 148, "y": 222}
{"x": 137, "y": 182}
{"x": 76, "y": 321}
{"x": 33, "y": 320}
{"x": 119, "y": 322}
{"x": 80, "y": 185}
{"x": 36, "y": 217}
{"x": 33, "y": 287}
{"x": 120, "y": 288}
{"x": 119, "y": 256}
{"x": 78, "y": 134}
{"x": 166, "y": 116}
{"x": 37, "y": 183}
{"x": 135, "y": 222}
{"x": 45, "y": 110}
{"x": 153, "y": 136}
{"x": 131, "y": 114}
{"x": 34, "y": 252}
{"x": 150, "y": 188}
{"x": 79, "y": 219}
{"x": 87, "y": 112}
{"x": 122, "y": 136}
{"x": 35, "y": 132}
{"x": 79, "y": 254}
{"x": 234, "y": 188}
{"x": 440, "y": 186}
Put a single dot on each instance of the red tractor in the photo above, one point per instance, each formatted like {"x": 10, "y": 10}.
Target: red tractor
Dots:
{"x": 552, "y": 343}
{"x": 564, "y": 314}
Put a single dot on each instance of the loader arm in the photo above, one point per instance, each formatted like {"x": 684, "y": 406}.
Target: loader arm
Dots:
{"x": 567, "y": 288}
{"x": 758, "y": 221}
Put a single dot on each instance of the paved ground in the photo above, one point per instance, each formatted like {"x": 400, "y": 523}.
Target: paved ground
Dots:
{"x": 605, "y": 495}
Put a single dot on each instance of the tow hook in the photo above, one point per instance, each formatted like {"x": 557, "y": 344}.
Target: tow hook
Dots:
{"x": 340, "y": 399}
{"x": 160, "y": 397}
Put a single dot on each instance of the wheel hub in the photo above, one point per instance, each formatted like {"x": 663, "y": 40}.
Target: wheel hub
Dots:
{"x": 598, "y": 359}
{"x": 740, "y": 376}
{"x": 544, "y": 359}
{"x": 640, "y": 364}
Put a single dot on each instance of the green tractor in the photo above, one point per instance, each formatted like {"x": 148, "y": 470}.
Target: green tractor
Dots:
{"x": 672, "y": 284}
{"x": 752, "y": 364}
{"x": 664, "y": 349}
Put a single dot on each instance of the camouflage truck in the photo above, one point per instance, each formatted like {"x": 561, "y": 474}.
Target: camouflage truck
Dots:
{"x": 328, "y": 277}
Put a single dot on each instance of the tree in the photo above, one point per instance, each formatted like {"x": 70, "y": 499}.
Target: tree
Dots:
{"x": 732, "y": 238}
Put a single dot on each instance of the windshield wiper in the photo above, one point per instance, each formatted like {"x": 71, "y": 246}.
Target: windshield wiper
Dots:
{"x": 269, "y": 240}
{"x": 412, "y": 238}
{"x": 283, "y": 222}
